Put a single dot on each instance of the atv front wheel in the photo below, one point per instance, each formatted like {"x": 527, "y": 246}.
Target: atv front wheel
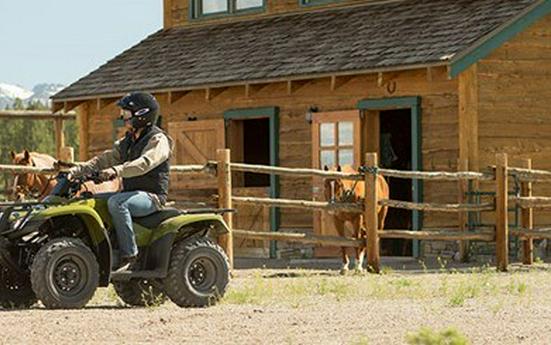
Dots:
{"x": 65, "y": 273}
{"x": 198, "y": 274}
{"x": 15, "y": 290}
{"x": 139, "y": 292}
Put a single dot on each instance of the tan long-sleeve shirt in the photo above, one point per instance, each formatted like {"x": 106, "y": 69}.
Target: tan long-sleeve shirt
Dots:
{"x": 157, "y": 151}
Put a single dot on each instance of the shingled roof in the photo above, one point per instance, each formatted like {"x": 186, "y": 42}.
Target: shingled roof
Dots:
{"x": 360, "y": 38}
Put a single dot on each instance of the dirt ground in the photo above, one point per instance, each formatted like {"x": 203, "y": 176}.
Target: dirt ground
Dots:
{"x": 309, "y": 306}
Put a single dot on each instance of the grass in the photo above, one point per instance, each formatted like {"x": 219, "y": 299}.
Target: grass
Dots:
{"x": 361, "y": 340}
{"x": 453, "y": 288}
{"x": 427, "y": 336}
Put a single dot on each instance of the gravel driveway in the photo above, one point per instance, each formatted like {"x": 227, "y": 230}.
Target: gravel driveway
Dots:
{"x": 314, "y": 307}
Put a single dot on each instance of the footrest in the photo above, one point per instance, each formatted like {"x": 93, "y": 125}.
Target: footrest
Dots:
{"x": 127, "y": 275}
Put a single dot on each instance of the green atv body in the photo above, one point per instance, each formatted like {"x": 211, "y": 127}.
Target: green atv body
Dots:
{"x": 60, "y": 250}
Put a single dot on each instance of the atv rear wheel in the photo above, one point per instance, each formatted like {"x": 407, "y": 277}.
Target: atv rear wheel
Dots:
{"x": 65, "y": 273}
{"x": 198, "y": 274}
{"x": 15, "y": 290}
{"x": 139, "y": 292}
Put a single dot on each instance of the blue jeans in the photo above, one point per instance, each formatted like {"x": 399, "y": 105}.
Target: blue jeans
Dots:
{"x": 122, "y": 206}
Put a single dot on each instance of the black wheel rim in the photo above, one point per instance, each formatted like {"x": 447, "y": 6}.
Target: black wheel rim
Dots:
{"x": 202, "y": 274}
{"x": 69, "y": 275}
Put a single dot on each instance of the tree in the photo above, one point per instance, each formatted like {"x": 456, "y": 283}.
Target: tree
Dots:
{"x": 33, "y": 135}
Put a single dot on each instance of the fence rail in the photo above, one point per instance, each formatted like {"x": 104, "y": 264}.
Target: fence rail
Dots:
{"x": 419, "y": 206}
{"x": 536, "y": 202}
{"x": 530, "y": 175}
{"x": 436, "y": 175}
{"x": 223, "y": 167}
{"x": 303, "y": 204}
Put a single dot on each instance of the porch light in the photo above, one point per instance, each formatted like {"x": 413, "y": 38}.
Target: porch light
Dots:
{"x": 310, "y": 113}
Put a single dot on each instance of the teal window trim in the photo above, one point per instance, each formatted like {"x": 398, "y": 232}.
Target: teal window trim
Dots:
{"x": 272, "y": 113}
{"x": 316, "y": 2}
{"x": 413, "y": 103}
{"x": 484, "y": 48}
{"x": 195, "y": 13}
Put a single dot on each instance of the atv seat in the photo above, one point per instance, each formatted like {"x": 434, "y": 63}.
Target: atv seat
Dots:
{"x": 154, "y": 219}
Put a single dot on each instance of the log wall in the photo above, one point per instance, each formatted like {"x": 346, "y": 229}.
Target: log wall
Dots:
{"x": 439, "y": 128}
{"x": 177, "y": 12}
{"x": 514, "y": 102}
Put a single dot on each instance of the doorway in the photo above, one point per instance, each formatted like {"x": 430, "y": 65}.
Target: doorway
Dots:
{"x": 395, "y": 153}
{"x": 252, "y": 134}
{"x": 256, "y": 150}
{"x": 394, "y": 111}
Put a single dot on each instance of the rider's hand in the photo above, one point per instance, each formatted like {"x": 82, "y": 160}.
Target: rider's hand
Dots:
{"x": 62, "y": 165}
{"x": 107, "y": 174}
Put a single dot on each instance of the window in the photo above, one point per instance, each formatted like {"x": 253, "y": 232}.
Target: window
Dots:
{"x": 334, "y": 153}
{"x": 212, "y": 7}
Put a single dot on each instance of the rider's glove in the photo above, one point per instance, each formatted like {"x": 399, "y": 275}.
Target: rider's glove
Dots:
{"x": 107, "y": 174}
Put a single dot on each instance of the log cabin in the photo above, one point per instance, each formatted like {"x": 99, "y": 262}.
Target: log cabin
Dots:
{"x": 306, "y": 83}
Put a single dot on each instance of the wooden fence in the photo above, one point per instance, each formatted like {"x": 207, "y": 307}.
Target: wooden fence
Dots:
{"x": 499, "y": 234}
{"x": 527, "y": 202}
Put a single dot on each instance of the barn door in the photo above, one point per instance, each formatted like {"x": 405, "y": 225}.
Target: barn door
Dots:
{"x": 195, "y": 142}
{"x": 336, "y": 140}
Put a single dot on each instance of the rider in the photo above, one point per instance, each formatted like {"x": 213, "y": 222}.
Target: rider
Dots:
{"x": 141, "y": 159}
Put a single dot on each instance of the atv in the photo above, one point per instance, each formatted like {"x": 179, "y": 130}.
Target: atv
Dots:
{"x": 61, "y": 249}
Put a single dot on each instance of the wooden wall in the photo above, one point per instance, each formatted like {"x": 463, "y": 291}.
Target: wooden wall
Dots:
{"x": 514, "y": 107}
{"x": 176, "y": 12}
{"x": 439, "y": 125}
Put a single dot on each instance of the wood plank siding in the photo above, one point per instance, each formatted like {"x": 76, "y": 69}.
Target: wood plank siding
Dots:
{"x": 514, "y": 102}
{"x": 177, "y": 12}
{"x": 439, "y": 102}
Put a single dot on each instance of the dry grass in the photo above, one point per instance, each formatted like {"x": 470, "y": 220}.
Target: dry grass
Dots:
{"x": 478, "y": 306}
{"x": 453, "y": 287}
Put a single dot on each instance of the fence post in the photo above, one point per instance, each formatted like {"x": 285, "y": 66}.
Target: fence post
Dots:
{"x": 370, "y": 214}
{"x": 225, "y": 199}
{"x": 463, "y": 165}
{"x": 67, "y": 154}
{"x": 59, "y": 135}
{"x": 527, "y": 220}
{"x": 502, "y": 226}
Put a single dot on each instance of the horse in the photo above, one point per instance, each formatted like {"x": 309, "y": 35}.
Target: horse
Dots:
{"x": 341, "y": 190}
{"x": 38, "y": 186}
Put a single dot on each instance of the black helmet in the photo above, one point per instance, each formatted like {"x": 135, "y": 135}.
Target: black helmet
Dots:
{"x": 143, "y": 106}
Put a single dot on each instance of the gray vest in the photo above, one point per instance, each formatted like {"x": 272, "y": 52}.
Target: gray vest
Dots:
{"x": 156, "y": 180}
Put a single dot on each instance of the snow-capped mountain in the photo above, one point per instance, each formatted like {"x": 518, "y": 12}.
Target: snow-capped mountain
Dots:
{"x": 41, "y": 92}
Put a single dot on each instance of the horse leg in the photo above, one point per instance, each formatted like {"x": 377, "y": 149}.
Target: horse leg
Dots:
{"x": 339, "y": 226}
{"x": 360, "y": 251}
{"x": 381, "y": 216}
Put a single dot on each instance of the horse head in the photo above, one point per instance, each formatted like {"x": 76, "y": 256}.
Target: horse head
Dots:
{"x": 22, "y": 182}
{"x": 342, "y": 190}
{"x": 29, "y": 184}
{"x": 333, "y": 188}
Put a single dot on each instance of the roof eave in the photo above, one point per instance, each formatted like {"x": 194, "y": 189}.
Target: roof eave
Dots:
{"x": 259, "y": 81}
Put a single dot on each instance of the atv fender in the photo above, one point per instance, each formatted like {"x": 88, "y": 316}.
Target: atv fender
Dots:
{"x": 94, "y": 225}
{"x": 183, "y": 223}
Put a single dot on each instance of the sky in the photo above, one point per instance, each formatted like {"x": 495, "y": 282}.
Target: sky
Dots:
{"x": 60, "y": 41}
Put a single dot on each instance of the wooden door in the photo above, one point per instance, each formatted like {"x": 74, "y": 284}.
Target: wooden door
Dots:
{"x": 336, "y": 140}
{"x": 195, "y": 142}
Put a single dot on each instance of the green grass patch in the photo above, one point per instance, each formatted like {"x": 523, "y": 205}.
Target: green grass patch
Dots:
{"x": 427, "y": 336}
